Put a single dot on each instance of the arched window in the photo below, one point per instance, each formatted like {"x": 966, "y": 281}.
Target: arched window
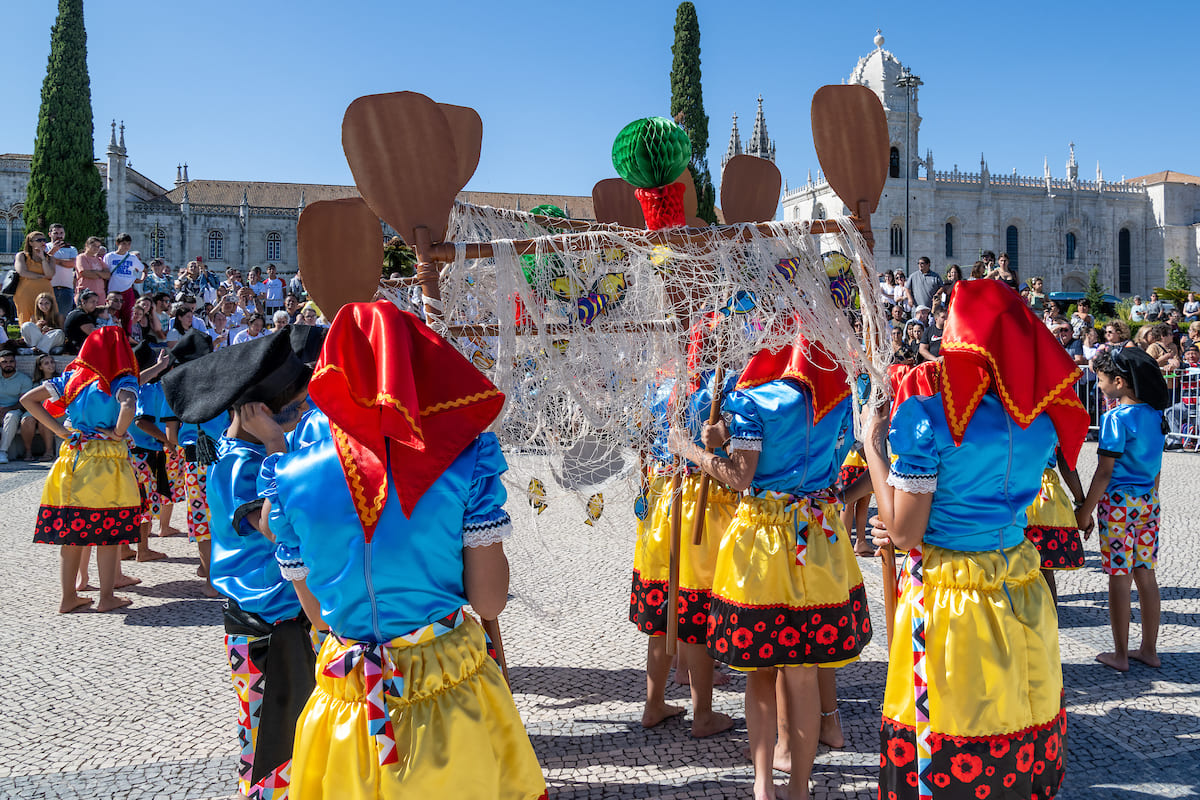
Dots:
{"x": 949, "y": 240}
{"x": 216, "y": 246}
{"x": 894, "y": 163}
{"x": 897, "y": 248}
{"x": 818, "y": 211}
{"x": 158, "y": 242}
{"x": 1124, "y": 251}
{"x": 274, "y": 245}
{"x": 16, "y": 235}
{"x": 1070, "y": 247}
{"x": 1012, "y": 246}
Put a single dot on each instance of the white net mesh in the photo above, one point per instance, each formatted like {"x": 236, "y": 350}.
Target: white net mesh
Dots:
{"x": 578, "y": 332}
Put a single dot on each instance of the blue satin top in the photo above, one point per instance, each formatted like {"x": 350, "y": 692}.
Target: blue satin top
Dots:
{"x": 982, "y": 487}
{"x": 152, "y": 407}
{"x": 213, "y": 429}
{"x": 658, "y": 403}
{"x": 312, "y": 428}
{"x": 1132, "y": 434}
{"x": 699, "y": 403}
{"x": 411, "y": 572}
{"x": 776, "y": 418}
{"x": 243, "y": 567}
{"x": 92, "y": 408}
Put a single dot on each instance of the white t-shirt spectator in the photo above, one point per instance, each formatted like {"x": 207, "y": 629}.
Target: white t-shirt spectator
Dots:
{"x": 273, "y": 291}
{"x": 126, "y": 270}
{"x": 64, "y": 277}
{"x": 244, "y": 336}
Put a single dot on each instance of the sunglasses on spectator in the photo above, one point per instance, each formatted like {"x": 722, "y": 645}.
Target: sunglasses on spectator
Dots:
{"x": 39, "y": 241}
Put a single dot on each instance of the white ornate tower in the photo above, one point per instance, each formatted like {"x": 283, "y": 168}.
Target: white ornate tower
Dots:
{"x": 760, "y": 144}
{"x": 115, "y": 192}
{"x": 878, "y": 71}
{"x": 735, "y": 144}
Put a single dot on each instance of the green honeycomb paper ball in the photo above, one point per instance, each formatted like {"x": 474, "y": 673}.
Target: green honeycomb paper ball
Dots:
{"x": 548, "y": 210}
{"x": 651, "y": 152}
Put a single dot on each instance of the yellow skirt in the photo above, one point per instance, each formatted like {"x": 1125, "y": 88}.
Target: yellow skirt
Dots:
{"x": 652, "y": 558}
{"x": 91, "y": 497}
{"x": 1051, "y": 526}
{"x": 457, "y": 731}
{"x": 769, "y": 611}
{"x": 994, "y": 677}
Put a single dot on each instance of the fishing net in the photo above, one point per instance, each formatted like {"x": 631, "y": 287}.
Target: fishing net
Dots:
{"x": 581, "y": 330}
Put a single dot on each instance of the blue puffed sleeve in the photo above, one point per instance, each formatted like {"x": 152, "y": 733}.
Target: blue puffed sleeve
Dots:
{"x": 745, "y": 426}
{"x": 126, "y": 383}
{"x": 485, "y": 521}
{"x": 911, "y": 440}
{"x": 1112, "y": 435}
{"x": 56, "y": 386}
{"x": 287, "y": 543}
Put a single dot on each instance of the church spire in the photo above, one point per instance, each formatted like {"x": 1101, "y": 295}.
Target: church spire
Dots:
{"x": 760, "y": 144}
{"x": 735, "y": 144}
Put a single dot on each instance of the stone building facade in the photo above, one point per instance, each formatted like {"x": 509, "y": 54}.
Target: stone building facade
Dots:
{"x": 1057, "y": 227}
{"x": 228, "y": 223}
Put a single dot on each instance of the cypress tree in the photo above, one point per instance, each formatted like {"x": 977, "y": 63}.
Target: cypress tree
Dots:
{"x": 687, "y": 104}
{"x": 64, "y": 184}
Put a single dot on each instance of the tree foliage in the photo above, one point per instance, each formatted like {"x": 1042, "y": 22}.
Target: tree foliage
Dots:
{"x": 398, "y": 258}
{"x": 687, "y": 105}
{"x": 64, "y": 184}
{"x": 1095, "y": 290}
{"x": 1179, "y": 282}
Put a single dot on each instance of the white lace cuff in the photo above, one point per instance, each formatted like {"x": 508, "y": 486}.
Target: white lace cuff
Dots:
{"x": 482, "y": 534}
{"x": 52, "y": 389}
{"x": 913, "y": 484}
{"x": 742, "y": 443}
{"x": 291, "y": 565}
{"x": 294, "y": 573}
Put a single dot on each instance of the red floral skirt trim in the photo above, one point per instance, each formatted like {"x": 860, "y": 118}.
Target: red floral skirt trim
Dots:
{"x": 1029, "y": 763}
{"x": 848, "y": 474}
{"x": 86, "y": 527}
{"x": 768, "y": 636}
{"x": 1058, "y": 548}
{"x": 648, "y": 610}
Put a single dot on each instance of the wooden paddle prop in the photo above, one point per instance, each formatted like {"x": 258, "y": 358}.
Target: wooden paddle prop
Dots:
{"x": 851, "y": 139}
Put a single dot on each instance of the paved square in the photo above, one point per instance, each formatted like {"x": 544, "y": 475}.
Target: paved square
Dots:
{"x": 137, "y": 703}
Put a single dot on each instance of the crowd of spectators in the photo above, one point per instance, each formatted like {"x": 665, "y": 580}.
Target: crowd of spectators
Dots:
{"x": 63, "y": 294}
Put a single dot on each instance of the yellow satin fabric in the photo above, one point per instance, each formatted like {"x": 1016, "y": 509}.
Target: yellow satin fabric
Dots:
{"x": 458, "y": 733}
{"x": 100, "y": 476}
{"x": 992, "y": 669}
{"x": 652, "y": 558}
{"x": 756, "y": 564}
{"x": 1052, "y": 507}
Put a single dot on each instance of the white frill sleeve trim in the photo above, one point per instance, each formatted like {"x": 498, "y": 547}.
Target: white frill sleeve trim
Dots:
{"x": 742, "y": 443}
{"x": 913, "y": 484}
{"x": 52, "y": 389}
{"x": 291, "y": 565}
{"x": 482, "y": 534}
{"x": 294, "y": 573}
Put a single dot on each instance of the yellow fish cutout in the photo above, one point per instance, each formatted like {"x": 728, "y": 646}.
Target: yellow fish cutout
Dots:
{"x": 537, "y": 495}
{"x": 595, "y": 507}
{"x": 566, "y": 287}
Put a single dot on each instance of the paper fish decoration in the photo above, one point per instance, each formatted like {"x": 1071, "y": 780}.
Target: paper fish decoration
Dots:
{"x": 537, "y": 495}
{"x": 841, "y": 280}
{"x": 641, "y": 506}
{"x": 595, "y": 507}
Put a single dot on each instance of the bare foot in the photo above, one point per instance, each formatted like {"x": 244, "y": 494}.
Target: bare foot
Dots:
{"x": 1119, "y": 663}
{"x": 85, "y": 587}
{"x": 720, "y": 678}
{"x": 782, "y": 761}
{"x": 683, "y": 678}
{"x": 150, "y": 555}
{"x": 168, "y": 531}
{"x": 711, "y": 725}
{"x": 126, "y": 580}
{"x": 113, "y": 604}
{"x": 208, "y": 591}
{"x": 866, "y": 552}
{"x": 78, "y": 604}
{"x": 127, "y": 553}
{"x": 1149, "y": 659}
{"x": 655, "y": 715}
{"x": 831, "y": 731}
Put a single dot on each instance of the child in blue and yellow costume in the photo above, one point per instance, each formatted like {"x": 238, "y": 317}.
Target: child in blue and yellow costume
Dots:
{"x": 651, "y": 564}
{"x": 787, "y": 591}
{"x": 974, "y": 709}
{"x": 390, "y": 527}
{"x": 1050, "y": 521}
{"x": 271, "y": 658}
{"x": 91, "y": 495}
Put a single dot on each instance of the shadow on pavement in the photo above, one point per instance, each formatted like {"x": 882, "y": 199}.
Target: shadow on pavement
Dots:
{"x": 196, "y": 612}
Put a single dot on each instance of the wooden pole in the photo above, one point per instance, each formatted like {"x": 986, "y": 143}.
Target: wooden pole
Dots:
{"x": 673, "y": 571}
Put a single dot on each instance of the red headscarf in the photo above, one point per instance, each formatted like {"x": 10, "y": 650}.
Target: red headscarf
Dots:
{"x": 922, "y": 380}
{"x": 104, "y": 357}
{"x": 392, "y": 387}
{"x": 808, "y": 363}
{"x": 993, "y": 339}
{"x": 700, "y": 339}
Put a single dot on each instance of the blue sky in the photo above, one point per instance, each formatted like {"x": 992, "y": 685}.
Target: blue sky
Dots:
{"x": 255, "y": 90}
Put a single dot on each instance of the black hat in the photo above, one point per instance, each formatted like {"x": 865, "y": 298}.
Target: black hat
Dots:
{"x": 307, "y": 341}
{"x": 1144, "y": 376}
{"x": 256, "y": 370}
{"x": 191, "y": 346}
{"x": 146, "y": 355}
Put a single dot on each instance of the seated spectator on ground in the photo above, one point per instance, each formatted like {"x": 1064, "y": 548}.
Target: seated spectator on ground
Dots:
{"x": 1191, "y": 337}
{"x": 1116, "y": 335}
{"x": 913, "y": 333}
{"x": 931, "y": 341}
{"x": 159, "y": 279}
{"x": 1191, "y": 356}
{"x": 248, "y": 301}
{"x": 254, "y": 329}
{"x": 978, "y": 271}
{"x": 1161, "y": 347}
{"x": 13, "y": 384}
{"x": 279, "y": 320}
{"x": 218, "y": 329}
{"x": 116, "y": 304}
{"x": 81, "y": 322}
{"x": 44, "y": 369}
{"x": 106, "y": 317}
{"x": 197, "y": 318}
{"x": 897, "y": 319}
{"x": 922, "y": 314}
{"x": 183, "y": 318}
{"x": 1053, "y": 315}
{"x": 291, "y": 304}
{"x": 896, "y": 342}
{"x": 44, "y": 333}
{"x": 1191, "y": 308}
{"x": 152, "y": 328}
{"x": 310, "y": 316}
{"x": 1082, "y": 318}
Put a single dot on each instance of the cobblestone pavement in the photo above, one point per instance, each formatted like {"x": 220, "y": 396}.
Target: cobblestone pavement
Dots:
{"x": 137, "y": 703}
